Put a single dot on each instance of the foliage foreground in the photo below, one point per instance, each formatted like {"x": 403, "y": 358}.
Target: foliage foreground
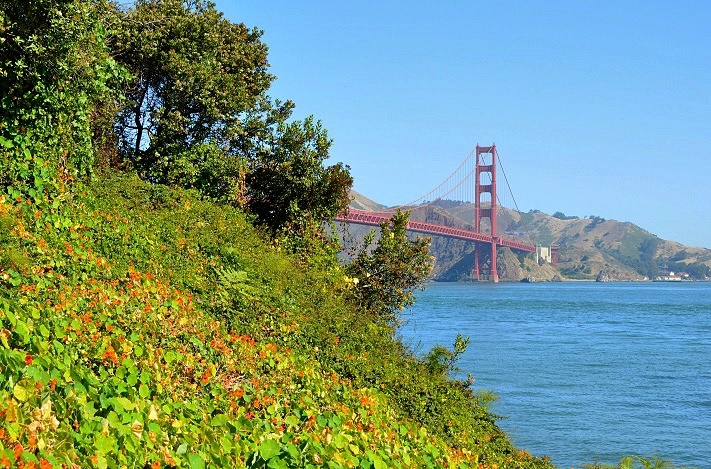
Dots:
{"x": 141, "y": 326}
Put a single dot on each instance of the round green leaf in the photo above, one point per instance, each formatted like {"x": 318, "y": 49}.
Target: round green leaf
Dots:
{"x": 268, "y": 449}
{"x": 23, "y": 390}
{"x": 196, "y": 462}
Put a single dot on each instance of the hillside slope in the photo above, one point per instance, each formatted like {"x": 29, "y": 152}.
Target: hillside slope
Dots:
{"x": 141, "y": 326}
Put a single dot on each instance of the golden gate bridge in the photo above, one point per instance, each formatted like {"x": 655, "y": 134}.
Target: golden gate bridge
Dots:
{"x": 473, "y": 182}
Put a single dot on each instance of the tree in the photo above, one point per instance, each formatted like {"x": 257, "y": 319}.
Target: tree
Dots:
{"x": 56, "y": 79}
{"x": 198, "y": 116}
{"x": 198, "y": 79}
{"x": 289, "y": 187}
{"x": 386, "y": 276}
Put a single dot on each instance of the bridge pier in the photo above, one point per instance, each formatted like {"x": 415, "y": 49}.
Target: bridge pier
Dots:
{"x": 493, "y": 271}
{"x": 477, "y": 272}
{"x": 493, "y": 274}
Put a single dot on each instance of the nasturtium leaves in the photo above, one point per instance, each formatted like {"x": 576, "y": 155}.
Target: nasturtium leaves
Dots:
{"x": 104, "y": 444}
{"x": 196, "y": 462}
{"x": 23, "y": 331}
{"x": 219, "y": 420}
{"x": 23, "y": 390}
{"x": 268, "y": 449}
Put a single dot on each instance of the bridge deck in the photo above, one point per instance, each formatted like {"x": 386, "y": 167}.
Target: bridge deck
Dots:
{"x": 363, "y": 217}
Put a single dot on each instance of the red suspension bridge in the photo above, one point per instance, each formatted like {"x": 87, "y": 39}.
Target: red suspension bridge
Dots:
{"x": 473, "y": 182}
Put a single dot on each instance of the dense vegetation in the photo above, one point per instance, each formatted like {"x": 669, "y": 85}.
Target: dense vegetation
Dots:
{"x": 147, "y": 325}
{"x": 167, "y": 295}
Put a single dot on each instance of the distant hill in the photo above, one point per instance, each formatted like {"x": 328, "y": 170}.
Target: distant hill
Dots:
{"x": 361, "y": 202}
{"x": 623, "y": 250}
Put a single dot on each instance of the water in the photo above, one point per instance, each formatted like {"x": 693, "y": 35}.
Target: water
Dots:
{"x": 584, "y": 371}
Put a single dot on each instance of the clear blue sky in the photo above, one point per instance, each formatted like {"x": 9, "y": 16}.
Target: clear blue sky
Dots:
{"x": 597, "y": 107}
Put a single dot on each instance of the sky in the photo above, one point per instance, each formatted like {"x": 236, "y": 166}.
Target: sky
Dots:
{"x": 596, "y": 107}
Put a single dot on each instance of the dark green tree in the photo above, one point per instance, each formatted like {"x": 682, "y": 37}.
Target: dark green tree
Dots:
{"x": 198, "y": 83}
{"x": 56, "y": 79}
{"x": 289, "y": 187}
{"x": 559, "y": 215}
{"x": 386, "y": 275}
{"x": 198, "y": 116}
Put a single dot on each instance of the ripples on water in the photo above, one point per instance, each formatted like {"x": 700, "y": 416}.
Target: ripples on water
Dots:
{"x": 584, "y": 370}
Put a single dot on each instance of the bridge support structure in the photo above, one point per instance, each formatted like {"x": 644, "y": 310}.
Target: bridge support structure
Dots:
{"x": 485, "y": 167}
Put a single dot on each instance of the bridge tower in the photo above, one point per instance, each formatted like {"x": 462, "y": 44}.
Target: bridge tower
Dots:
{"x": 483, "y": 165}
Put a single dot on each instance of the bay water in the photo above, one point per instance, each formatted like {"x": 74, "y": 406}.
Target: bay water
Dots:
{"x": 584, "y": 371}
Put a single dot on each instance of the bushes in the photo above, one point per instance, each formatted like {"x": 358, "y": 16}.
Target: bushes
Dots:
{"x": 385, "y": 277}
{"x": 56, "y": 77}
{"x": 175, "y": 331}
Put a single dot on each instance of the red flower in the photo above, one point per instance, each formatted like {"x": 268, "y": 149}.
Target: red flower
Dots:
{"x": 28, "y": 359}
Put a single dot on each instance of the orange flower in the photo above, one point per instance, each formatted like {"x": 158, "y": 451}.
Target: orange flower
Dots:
{"x": 4, "y": 462}
{"x": 155, "y": 465}
{"x": 94, "y": 459}
{"x": 28, "y": 359}
{"x": 110, "y": 355}
{"x": 44, "y": 464}
{"x": 18, "y": 450}
{"x": 239, "y": 393}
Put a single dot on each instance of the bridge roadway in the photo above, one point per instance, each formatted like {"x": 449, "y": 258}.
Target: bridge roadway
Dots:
{"x": 363, "y": 217}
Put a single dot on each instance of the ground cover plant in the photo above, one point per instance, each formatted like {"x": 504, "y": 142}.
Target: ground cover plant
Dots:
{"x": 150, "y": 327}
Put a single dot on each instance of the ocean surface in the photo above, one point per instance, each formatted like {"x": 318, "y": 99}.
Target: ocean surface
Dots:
{"x": 584, "y": 371}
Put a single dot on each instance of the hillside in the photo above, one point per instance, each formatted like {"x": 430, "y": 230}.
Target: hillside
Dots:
{"x": 587, "y": 246}
{"x": 142, "y": 326}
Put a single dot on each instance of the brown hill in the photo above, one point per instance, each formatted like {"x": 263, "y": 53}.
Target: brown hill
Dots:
{"x": 587, "y": 246}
